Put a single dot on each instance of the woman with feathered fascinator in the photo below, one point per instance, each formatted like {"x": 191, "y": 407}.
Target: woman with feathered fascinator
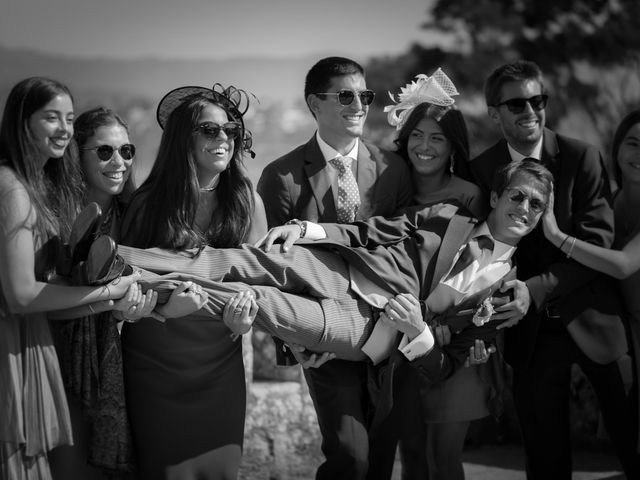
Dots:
{"x": 433, "y": 140}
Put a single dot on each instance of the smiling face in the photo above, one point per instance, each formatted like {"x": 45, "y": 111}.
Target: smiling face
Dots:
{"x": 105, "y": 178}
{"x": 52, "y": 127}
{"x": 629, "y": 156}
{"x": 337, "y": 123}
{"x": 428, "y": 148}
{"x": 521, "y": 130}
{"x": 517, "y": 211}
{"x": 212, "y": 155}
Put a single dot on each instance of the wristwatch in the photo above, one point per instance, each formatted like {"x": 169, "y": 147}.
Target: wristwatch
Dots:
{"x": 301, "y": 224}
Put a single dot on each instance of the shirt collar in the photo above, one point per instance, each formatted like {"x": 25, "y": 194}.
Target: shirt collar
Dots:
{"x": 501, "y": 251}
{"x": 537, "y": 152}
{"x": 329, "y": 153}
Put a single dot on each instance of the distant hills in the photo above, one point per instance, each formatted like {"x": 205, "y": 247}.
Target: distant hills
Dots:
{"x": 134, "y": 87}
{"x": 268, "y": 78}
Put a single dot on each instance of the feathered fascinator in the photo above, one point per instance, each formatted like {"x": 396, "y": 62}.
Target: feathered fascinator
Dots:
{"x": 233, "y": 100}
{"x": 436, "y": 90}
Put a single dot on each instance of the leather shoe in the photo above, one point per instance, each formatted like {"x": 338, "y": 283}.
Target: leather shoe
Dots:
{"x": 103, "y": 264}
{"x": 84, "y": 231}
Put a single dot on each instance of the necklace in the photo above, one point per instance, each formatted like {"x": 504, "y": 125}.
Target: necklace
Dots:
{"x": 216, "y": 181}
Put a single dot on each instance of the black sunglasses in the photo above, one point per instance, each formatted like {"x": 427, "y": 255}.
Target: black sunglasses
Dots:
{"x": 517, "y": 105}
{"x": 105, "y": 152}
{"x": 211, "y": 130}
{"x": 517, "y": 196}
{"x": 346, "y": 97}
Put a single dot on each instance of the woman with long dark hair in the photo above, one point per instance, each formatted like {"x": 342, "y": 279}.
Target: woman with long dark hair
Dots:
{"x": 39, "y": 199}
{"x": 185, "y": 379}
{"x": 433, "y": 140}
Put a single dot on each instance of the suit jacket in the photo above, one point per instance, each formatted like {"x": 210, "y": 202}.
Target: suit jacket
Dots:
{"x": 412, "y": 253}
{"x": 587, "y": 302}
{"x": 299, "y": 185}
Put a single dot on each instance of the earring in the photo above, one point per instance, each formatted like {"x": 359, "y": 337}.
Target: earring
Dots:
{"x": 451, "y": 164}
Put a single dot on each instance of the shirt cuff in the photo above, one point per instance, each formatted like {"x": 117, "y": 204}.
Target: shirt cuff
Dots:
{"x": 419, "y": 346}
{"x": 315, "y": 232}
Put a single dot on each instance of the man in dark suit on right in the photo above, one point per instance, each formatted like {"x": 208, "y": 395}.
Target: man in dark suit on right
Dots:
{"x": 562, "y": 313}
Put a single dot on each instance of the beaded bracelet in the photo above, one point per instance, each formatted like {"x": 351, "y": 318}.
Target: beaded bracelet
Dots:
{"x": 573, "y": 244}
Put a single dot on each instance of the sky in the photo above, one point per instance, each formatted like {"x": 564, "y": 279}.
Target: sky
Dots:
{"x": 213, "y": 29}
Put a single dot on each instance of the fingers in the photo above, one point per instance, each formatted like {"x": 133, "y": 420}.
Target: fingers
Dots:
{"x": 182, "y": 287}
{"x": 442, "y": 334}
{"x": 314, "y": 360}
{"x": 261, "y": 241}
{"x": 239, "y": 312}
{"x": 508, "y": 323}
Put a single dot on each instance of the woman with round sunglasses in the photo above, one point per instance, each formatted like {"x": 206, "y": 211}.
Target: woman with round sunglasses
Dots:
{"x": 40, "y": 191}
{"x": 184, "y": 379}
{"x": 88, "y": 347}
{"x": 433, "y": 140}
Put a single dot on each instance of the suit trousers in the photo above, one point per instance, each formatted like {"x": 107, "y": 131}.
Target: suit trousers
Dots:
{"x": 541, "y": 395}
{"x": 304, "y": 296}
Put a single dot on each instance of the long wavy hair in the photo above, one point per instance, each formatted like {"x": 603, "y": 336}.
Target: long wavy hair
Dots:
{"x": 55, "y": 189}
{"x": 170, "y": 195}
{"x": 450, "y": 120}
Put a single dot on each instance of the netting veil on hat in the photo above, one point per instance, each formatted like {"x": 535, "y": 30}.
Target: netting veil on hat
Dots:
{"x": 233, "y": 100}
{"x": 437, "y": 90}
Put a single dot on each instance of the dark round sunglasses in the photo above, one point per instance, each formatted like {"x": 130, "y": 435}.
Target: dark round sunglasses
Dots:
{"x": 211, "y": 130}
{"x": 517, "y": 105}
{"x": 105, "y": 152}
{"x": 516, "y": 197}
{"x": 346, "y": 97}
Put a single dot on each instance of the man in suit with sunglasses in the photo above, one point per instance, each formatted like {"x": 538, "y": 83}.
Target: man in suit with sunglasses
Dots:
{"x": 304, "y": 184}
{"x": 562, "y": 312}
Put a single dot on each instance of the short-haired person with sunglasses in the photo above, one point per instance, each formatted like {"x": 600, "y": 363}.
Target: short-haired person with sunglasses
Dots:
{"x": 563, "y": 313}
{"x": 337, "y": 177}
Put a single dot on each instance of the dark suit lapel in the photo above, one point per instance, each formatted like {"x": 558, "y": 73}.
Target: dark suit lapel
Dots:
{"x": 319, "y": 176}
{"x": 367, "y": 175}
{"x": 550, "y": 151}
{"x": 456, "y": 234}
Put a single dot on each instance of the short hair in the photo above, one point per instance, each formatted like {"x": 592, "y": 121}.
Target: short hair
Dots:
{"x": 510, "y": 72}
{"x": 450, "y": 120}
{"x": 88, "y": 122}
{"x": 319, "y": 76}
{"x": 529, "y": 167}
{"x": 625, "y": 125}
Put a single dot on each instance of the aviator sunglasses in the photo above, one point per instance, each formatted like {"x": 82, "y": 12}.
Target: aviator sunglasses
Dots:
{"x": 517, "y": 197}
{"x": 346, "y": 97}
{"x": 517, "y": 105}
{"x": 211, "y": 130}
{"x": 105, "y": 152}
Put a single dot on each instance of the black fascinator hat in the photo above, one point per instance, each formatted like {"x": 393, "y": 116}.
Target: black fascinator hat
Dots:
{"x": 233, "y": 100}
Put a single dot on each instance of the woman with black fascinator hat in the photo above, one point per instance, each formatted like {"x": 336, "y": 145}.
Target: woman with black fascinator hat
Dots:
{"x": 185, "y": 379}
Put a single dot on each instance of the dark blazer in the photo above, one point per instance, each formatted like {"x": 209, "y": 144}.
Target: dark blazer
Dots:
{"x": 586, "y": 301}
{"x": 298, "y": 185}
{"x": 411, "y": 253}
